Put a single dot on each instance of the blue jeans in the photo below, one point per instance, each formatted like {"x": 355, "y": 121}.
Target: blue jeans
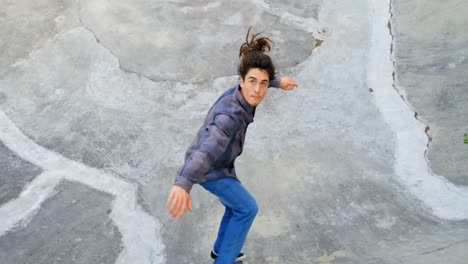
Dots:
{"x": 241, "y": 209}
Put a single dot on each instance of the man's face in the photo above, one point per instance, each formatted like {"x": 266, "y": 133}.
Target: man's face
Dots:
{"x": 254, "y": 86}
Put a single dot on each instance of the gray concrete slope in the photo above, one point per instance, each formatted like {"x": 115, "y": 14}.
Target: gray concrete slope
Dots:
{"x": 99, "y": 100}
{"x": 431, "y": 59}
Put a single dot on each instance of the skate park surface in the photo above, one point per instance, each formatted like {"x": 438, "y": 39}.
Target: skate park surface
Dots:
{"x": 364, "y": 162}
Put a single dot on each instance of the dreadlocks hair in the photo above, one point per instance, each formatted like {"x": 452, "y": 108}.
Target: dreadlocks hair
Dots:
{"x": 252, "y": 55}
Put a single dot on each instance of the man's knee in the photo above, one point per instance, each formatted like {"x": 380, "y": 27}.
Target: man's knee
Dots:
{"x": 250, "y": 209}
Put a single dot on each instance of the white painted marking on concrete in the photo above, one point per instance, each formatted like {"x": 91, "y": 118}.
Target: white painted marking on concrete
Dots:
{"x": 202, "y": 8}
{"x": 129, "y": 217}
{"x": 445, "y": 199}
{"x": 307, "y": 24}
{"x": 29, "y": 201}
{"x": 140, "y": 231}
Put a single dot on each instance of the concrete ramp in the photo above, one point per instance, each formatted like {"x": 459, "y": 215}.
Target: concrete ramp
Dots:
{"x": 364, "y": 162}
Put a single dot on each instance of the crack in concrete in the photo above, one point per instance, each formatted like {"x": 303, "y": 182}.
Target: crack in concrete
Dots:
{"x": 403, "y": 95}
{"x": 443, "y": 247}
{"x": 379, "y": 259}
{"x": 83, "y": 25}
{"x": 301, "y": 23}
{"x": 439, "y": 196}
{"x": 432, "y": 250}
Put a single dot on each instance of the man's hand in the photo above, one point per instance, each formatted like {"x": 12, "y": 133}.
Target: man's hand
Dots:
{"x": 179, "y": 201}
{"x": 287, "y": 83}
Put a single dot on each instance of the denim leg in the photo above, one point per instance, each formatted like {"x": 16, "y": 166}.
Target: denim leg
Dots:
{"x": 222, "y": 229}
{"x": 234, "y": 229}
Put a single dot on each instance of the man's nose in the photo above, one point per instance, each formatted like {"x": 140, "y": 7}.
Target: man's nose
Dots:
{"x": 257, "y": 88}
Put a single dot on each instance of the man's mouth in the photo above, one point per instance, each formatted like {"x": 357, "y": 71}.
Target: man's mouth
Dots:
{"x": 257, "y": 97}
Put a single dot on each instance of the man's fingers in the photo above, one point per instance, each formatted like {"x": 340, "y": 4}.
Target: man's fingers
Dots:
{"x": 288, "y": 83}
{"x": 178, "y": 203}
{"x": 174, "y": 207}
{"x": 190, "y": 204}
{"x": 292, "y": 82}
{"x": 183, "y": 207}
{"x": 171, "y": 203}
{"x": 171, "y": 196}
{"x": 182, "y": 211}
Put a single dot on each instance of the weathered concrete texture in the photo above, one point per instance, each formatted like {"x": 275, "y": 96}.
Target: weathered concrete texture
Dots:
{"x": 302, "y": 8}
{"x": 73, "y": 226}
{"x": 447, "y": 245}
{"x": 431, "y": 55}
{"x": 15, "y": 174}
{"x": 27, "y": 25}
{"x": 188, "y": 40}
{"x": 122, "y": 95}
{"x": 103, "y": 116}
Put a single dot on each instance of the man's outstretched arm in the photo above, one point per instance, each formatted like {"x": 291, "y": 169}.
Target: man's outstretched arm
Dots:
{"x": 285, "y": 83}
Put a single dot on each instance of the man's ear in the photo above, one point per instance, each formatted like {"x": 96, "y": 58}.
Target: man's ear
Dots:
{"x": 241, "y": 82}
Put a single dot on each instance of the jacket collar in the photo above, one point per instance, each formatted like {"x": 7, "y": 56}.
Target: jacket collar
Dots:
{"x": 247, "y": 107}
{"x": 243, "y": 102}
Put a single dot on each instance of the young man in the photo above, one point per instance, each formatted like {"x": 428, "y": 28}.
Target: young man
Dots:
{"x": 209, "y": 161}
